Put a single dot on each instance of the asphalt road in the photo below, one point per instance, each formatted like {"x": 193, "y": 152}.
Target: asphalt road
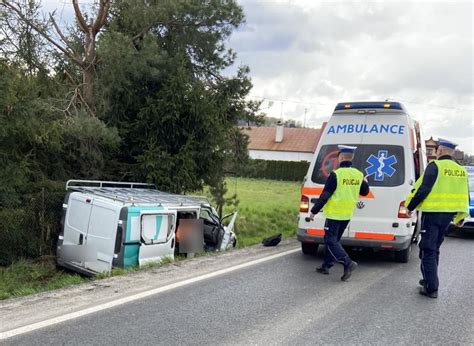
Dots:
{"x": 284, "y": 301}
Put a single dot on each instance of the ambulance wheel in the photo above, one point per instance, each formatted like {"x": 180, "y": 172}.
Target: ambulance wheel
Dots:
{"x": 403, "y": 256}
{"x": 309, "y": 248}
{"x": 449, "y": 231}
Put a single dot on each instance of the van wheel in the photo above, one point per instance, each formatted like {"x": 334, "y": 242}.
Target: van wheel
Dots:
{"x": 403, "y": 256}
{"x": 309, "y": 248}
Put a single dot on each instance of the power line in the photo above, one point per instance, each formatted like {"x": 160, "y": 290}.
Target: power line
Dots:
{"x": 437, "y": 106}
{"x": 332, "y": 104}
{"x": 290, "y": 101}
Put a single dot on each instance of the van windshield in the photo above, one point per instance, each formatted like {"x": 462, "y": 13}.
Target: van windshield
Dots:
{"x": 383, "y": 164}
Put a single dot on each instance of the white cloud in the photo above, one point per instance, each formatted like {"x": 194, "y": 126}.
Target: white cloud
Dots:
{"x": 316, "y": 54}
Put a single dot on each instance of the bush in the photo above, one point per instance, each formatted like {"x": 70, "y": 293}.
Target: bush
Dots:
{"x": 30, "y": 225}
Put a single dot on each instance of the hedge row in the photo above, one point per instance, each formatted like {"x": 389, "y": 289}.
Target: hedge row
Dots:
{"x": 30, "y": 225}
{"x": 278, "y": 170}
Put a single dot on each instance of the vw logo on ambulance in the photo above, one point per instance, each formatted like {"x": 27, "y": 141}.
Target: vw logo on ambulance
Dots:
{"x": 390, "y": 151}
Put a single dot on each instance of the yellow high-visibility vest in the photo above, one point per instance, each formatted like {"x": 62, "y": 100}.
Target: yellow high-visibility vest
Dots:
{"x": 342, "y": 202}
{"x": 449, "y": 193}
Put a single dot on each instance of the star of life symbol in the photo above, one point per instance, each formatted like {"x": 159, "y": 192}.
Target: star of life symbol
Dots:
{"x": 381, "y": 165}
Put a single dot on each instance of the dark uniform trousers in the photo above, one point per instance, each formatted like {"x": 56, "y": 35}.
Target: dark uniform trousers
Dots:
{"x": 333, "y": 230}
{"x": 433, "y": 229}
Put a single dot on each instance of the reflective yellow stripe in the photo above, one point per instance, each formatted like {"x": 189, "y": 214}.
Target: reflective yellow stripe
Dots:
{"x": 448, "y": 195}
{"x": 445, "y": 204}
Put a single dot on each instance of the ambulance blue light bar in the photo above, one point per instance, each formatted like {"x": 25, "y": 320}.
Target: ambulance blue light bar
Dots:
{"x": 369, "y": 105}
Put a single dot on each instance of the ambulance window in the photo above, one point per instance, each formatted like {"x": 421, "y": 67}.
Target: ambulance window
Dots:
{"x": 383, "y": 164}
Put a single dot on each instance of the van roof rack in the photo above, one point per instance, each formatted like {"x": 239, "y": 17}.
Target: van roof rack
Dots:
{"x": 132, "y": 192}
{"x": 72, "y": 183}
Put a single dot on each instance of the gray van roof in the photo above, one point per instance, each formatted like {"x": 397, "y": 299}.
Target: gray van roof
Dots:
{"x": 129, "y": 194}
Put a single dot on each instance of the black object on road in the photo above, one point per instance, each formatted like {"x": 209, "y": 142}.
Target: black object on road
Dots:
{"x": 274, "y": 240}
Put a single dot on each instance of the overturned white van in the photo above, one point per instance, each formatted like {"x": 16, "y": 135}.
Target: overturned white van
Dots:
{"x": 113, "y": 224}
{"x": 391, "y": 153}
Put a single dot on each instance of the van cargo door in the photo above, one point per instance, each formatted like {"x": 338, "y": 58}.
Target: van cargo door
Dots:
{"x": 101, "y": 236}
{"x": 73, "y": 249}
{"x": 157, "y": 235}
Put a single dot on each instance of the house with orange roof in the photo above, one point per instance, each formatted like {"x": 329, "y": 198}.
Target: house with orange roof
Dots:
{"x": 282, "y": 143}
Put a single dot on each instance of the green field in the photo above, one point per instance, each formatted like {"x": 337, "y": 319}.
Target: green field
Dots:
{"x": 266, "y": 207}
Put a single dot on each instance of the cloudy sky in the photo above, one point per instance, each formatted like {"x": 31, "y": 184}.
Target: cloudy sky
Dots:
{"x": 313, "y": 54}
{"x": 306, "y": 55}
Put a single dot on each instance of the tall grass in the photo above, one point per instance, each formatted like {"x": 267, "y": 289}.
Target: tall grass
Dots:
{"x": 266, "y": 207}
{"x": 28, "y": 277}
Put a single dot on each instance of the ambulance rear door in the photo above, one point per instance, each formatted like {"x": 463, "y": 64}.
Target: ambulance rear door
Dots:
{"x": 385, "y": 157}
{"x": 339, "y": 130}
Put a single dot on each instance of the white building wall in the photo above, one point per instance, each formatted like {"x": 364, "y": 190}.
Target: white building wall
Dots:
{"x": 280, "y": 155}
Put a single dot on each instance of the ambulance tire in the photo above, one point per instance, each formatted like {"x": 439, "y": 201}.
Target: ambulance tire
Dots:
{"x": 309, "y": 248}
{"x": 403, "y": 256}
{"x": 449, "y": 231}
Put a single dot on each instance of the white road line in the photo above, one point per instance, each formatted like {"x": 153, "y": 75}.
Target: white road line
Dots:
{"x": 121, "y": 301}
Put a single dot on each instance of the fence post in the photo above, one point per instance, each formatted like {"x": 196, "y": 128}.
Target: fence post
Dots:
{"x": 41, "y": 221}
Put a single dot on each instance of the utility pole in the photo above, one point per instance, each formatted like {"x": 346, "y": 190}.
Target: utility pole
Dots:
{"x": 304, "y": 121}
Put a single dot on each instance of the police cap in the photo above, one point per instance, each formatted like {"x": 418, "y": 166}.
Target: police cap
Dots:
{"x": 445, "y": 143}
{"x": 346, "y": 149}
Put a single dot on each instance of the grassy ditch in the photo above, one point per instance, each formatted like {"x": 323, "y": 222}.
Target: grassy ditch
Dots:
{"x": 266, "y": 207}
{"x": 28, "y": 277}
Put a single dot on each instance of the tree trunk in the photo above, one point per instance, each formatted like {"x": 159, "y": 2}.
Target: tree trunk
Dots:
{"x": 89, "y": 70}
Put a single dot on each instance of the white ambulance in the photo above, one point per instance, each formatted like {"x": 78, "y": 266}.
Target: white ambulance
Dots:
{"x": 391, "y": 153}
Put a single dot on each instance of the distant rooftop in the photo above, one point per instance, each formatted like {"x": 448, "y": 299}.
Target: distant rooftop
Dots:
{"x": 294, "y": 139}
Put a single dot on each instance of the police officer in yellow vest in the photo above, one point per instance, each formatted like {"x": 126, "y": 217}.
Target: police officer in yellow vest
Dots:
{"x": 339, "y": 198}
{"x": 442, "y": 195}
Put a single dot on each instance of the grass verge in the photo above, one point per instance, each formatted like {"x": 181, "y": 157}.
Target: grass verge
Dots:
{"x": 28, "y": 277}
{"x": 266, "y": 207}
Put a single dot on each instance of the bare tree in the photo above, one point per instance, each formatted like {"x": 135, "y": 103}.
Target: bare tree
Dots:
{"x": 86, "y": 60}
{"x": 90, "y": 54}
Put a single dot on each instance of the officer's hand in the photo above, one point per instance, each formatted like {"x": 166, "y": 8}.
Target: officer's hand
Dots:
{"x": 410, "y": 213}
{"x": 311, "y": 216}
{"x": 460, "y": 224}
{"x": 365, "y": 179}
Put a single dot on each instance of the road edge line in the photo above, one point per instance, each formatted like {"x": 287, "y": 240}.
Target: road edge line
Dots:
{"x": 66, "y": 317}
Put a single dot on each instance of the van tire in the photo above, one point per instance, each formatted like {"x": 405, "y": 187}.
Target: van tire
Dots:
{"x": 403, "y": 256}
{"x": 309, "y": 248}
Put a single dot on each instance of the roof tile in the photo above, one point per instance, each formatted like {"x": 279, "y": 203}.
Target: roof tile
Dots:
{"x": 294, "y": 139}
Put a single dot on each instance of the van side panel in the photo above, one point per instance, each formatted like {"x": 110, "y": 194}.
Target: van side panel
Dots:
{"x": 130, "y": 255}
{"x": 132, "y": 241}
